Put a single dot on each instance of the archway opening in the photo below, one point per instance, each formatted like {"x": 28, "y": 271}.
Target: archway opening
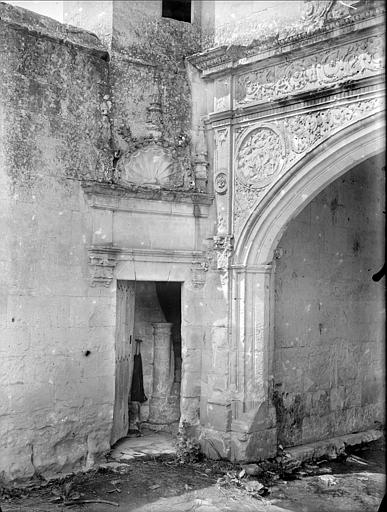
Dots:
{"x": 328, "y": 349}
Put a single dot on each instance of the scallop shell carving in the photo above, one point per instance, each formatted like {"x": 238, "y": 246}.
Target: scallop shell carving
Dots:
{"x": 151, "y": 166}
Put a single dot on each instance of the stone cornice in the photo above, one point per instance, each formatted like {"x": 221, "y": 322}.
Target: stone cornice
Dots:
{"x": 222, "y": 60}
{"x": 118, "y": 192}
{"x": 351, "y": 90}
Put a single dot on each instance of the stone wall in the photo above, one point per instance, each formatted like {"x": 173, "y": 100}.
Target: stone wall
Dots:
{"x": 57, "y": 334}
{"x": 329, "y": 314}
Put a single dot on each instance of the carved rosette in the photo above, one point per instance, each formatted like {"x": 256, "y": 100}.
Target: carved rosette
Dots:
{"x": 223, "y": 247}
{"x": 102, "y": 262}
{"x": 221, "y": 183}
{"x": 352, "y": 61}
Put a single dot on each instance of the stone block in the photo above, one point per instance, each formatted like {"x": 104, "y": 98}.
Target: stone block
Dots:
{"x": 253, "y": 447}
{"x": 218, "y": 416}
{"x": 215, "y": 444}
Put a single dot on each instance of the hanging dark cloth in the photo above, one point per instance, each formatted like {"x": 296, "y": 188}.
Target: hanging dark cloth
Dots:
{"x": 137, "y": 391}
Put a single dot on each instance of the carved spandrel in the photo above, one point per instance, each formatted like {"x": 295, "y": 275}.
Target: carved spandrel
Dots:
{"x": 302, "y": 132}
{"x": 349, "y": 62}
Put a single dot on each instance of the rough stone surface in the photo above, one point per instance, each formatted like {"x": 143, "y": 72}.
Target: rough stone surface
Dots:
{"x": 329, "y": 314}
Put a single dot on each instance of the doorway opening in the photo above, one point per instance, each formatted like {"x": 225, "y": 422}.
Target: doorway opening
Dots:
{"x": 148, "y": 358}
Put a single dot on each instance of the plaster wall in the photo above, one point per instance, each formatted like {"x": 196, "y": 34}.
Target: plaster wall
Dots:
{"x": 56, "y": 401}
{"x": 329, "y": 314}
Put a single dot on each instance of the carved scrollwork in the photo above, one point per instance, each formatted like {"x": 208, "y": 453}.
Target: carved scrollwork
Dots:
{"x": 349, "y": 62}
{"x": 306, "y": 130}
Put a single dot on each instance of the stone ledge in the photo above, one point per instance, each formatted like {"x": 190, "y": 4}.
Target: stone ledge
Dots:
{"x": 332, "y": 447}
{"x": 155, "y": 194}
{"x": 42, "y": 26}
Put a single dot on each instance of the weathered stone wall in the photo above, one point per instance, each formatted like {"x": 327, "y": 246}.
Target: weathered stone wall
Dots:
{"x": 57, "y": 334}
{"x": 329, "y": 314}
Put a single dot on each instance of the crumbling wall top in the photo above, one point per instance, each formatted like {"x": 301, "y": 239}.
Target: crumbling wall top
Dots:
{"x": 33, "y": 23}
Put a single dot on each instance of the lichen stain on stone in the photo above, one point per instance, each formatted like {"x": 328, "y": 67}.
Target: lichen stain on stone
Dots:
{"x": 53, "y": 120}
{"x": 290, "y": 416}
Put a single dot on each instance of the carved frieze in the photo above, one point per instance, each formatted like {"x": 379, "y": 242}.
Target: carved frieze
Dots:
{"x": 102, "y": 262}
{"x": 259, "y": 159}
{"x": 353, "y": 61}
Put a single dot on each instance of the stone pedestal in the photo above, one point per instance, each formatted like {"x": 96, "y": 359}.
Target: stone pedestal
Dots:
{"x": 164, "y": 403}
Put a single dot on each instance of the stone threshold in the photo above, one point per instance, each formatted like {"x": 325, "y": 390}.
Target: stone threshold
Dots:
{"x": 332, "y": 447}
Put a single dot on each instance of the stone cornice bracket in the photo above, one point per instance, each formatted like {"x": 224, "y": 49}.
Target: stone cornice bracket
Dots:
{"x": 200, "y": 161}
{"x": 102, "y": 262}
{"x": 199, "y": 269}
{"x": 223, "y": 246}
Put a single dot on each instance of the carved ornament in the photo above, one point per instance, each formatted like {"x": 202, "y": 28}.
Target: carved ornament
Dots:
{"x": 356, "y": 60}
{"x": 201, "y": 161}
{"x": 151, "y": 166}
{"x": 199, "y": 269}
{"x": 221, "y": 183}
{"x": 260, "y": 155}
{"x": 223, "y": 247}
{"x": 102, "y": 262}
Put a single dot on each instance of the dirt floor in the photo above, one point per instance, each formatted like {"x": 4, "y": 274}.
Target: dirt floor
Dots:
{"x": 355, "y": 483}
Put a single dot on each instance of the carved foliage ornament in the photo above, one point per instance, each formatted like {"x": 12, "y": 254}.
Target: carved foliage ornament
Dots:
{"x": 352, "y": 61}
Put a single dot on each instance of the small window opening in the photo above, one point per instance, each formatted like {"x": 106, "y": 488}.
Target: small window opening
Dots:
{"x": 179, "y": 10}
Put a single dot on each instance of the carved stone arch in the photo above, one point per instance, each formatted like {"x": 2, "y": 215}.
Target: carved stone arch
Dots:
{"x": 302, "y": 182}
{"x": 251, "y": 355}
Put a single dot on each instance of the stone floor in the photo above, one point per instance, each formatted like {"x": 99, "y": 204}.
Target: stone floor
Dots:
{"x": 142, "y": 483}
{"x": 150, "y": 444}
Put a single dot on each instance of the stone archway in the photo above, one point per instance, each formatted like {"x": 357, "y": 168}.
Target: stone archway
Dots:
{"x": 253, "y": 429}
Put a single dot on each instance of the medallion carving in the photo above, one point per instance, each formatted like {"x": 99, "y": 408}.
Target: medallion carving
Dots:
{"x": 261, "y": 155}
{"x": 356, "y": 60}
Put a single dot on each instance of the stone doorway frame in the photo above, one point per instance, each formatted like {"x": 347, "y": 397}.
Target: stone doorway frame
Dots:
{"x": 184, "y": 267}
{"x": 253, "y": 428}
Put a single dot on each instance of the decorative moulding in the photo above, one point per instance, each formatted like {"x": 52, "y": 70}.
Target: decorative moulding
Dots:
{"x": 102, "y": 262}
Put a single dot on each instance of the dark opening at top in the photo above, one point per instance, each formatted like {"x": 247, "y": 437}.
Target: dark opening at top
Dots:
{"x": 177, "y": 10}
